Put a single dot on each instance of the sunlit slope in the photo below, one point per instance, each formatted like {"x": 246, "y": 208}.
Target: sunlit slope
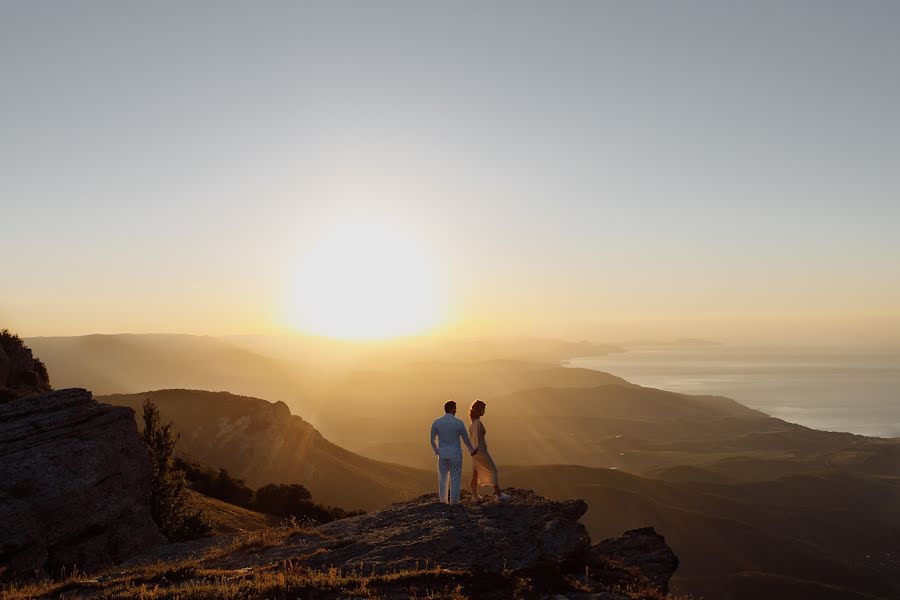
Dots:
{"x": 228, "y": 518}
{"x": 831, "y": 531}
{"x": 261, "y": 442}
{"x": 539, "y": 414}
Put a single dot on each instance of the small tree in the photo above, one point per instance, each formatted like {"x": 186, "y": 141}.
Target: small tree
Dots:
{"x": 170, "y": 501}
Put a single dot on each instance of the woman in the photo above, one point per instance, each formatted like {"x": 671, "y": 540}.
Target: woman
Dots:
{"x": 484, "y": 471}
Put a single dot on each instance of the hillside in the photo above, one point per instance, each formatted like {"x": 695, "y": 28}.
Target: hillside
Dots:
{"x": 228, "y": 519}
{"x": 835, "y": 534}
{"x": 262, "y": 442}
{"x": 525, "y": 547}
{"x": 539, "y": 414}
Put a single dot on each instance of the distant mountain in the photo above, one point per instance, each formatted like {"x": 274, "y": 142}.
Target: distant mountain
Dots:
{"x": 330, "y": 353}
{"x": 833, "y": 535}
{"x": 262, "y": 442}
{"x": 540, "y": 414}
{"x": 127, "y": 363}
{"x": 305, "y": 371}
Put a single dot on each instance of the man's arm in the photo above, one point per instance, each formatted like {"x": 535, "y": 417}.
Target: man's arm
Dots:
{"x": 431, "y": 439}
{"x": 465, "y": 438}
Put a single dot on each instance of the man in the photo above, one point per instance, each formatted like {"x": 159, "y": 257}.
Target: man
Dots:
{"x": 449, "y": 430}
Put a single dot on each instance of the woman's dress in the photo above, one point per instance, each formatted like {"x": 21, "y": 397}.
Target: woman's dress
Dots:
{"x": 485, "y": 468}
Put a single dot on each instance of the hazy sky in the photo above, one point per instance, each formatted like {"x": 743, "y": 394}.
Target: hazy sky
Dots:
{"x": 587, "y": 169}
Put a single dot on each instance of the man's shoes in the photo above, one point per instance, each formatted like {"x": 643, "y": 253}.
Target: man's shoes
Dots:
{"x": 477, "y": 498}
{"x": 502, "y": 496}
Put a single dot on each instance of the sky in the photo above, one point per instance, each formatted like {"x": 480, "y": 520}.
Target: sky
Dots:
{"x": 594, "y": 170}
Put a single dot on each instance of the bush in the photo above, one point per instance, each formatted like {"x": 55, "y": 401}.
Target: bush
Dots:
{"x": 219, "y": 485}
{"x": 170, "y": 501}
{"x": 25, "y": 374}
{"x": 294, "y": 500}
{"x": 282, "y": 500}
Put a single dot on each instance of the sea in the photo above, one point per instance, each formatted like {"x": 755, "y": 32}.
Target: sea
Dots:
{"x": 856, "y": 390}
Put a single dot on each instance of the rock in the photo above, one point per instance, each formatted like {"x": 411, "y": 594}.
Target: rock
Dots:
{"x": 526, "y": 547}
{"x": 523, "y": 533}
{"x": 643, "y": 549}
{"x": 21, "y": 374}
{"x": 74, "y": 484}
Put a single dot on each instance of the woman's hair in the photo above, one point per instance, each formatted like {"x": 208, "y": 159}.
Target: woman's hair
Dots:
{"x": 476, "y": 410}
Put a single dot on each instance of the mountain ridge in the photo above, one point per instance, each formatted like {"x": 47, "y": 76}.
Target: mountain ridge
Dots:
{"x": 261, "y": 442}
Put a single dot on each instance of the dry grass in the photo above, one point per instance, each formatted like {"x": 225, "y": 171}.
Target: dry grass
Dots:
{"x": 189, "y": 580}
{"x": 228, "y": 519}
{"x": 221, "y": 572}
{"x": 205, "y": 577}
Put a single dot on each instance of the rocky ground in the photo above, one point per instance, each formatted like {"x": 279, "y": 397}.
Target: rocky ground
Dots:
{"x": 527, "y": 547}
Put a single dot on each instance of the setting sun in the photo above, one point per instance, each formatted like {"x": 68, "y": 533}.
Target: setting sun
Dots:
{"x": 364, "y": 281}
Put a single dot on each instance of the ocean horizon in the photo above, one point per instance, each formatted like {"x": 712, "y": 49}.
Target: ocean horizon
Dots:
{"x": 857, "y": 391}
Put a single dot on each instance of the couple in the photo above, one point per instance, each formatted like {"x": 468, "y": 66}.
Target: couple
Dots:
{"x": 449, "y": 431}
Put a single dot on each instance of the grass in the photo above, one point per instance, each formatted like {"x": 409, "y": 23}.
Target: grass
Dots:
{"x": 220, "y": 572}
{"x": 190, "y": 580}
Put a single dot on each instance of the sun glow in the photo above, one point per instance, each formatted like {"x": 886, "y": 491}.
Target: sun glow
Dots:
{"x": 365, "y": 281}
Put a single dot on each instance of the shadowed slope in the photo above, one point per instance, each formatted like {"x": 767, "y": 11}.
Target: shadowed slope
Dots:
{"x": 837, "y": 531}
{"x": 261, "y": 442}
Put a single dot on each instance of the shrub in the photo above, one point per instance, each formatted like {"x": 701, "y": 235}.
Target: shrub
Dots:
{"x": 25, "y": 375}
{"x": 170, "y": 502}
{"x": 294, "y": 500}
{"x": 214, "y": 484}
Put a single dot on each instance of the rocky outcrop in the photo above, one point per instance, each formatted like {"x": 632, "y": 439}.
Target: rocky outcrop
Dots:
{"x": 526, "y": 532}
{"x": 641, "y": 549}
{"x": 524, "y": 547}
{"x": 526, "y": 535}
{"x": 74, "y": 483}
{"x": 21, "y": 374}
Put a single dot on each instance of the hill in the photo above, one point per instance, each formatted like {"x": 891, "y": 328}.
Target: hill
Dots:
{"x": 262, "y": 442}
{"x": 833, "y": 535}
{"x": 228, "y": 519}
{"x": 128, "y": 363}
{"x": 540, "y": 414}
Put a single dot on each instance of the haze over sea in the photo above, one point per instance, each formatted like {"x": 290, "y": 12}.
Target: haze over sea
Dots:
{"x": 836, "y": 390}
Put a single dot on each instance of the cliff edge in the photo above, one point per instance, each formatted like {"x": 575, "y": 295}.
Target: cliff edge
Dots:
{"x": 74, "y": 484}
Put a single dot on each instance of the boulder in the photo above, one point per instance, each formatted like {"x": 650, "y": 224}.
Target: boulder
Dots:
{"x": 642, "y": 549}
{"x": 524, "y": 533}
{"x": 74, "y": 484}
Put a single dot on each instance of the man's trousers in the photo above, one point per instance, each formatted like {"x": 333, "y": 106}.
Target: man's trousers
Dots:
{"x": 451, "y": 467}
